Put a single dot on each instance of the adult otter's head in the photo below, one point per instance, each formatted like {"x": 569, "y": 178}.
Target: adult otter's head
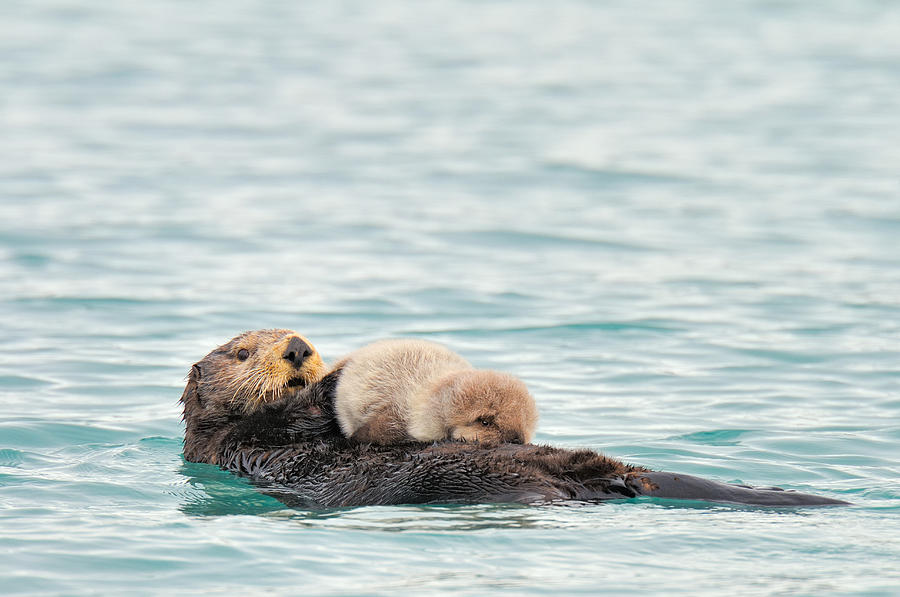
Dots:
{"x": 237, "y": 378}
{"x": 487, "y": 406}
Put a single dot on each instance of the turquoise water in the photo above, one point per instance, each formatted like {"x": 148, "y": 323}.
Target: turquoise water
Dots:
{"x": 677, "y": 222}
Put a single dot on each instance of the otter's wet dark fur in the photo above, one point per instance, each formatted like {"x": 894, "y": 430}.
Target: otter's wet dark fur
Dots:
{"x": 293, "y": 447}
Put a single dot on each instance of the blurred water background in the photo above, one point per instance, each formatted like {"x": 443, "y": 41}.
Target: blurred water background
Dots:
{"x": 678, "y": 222}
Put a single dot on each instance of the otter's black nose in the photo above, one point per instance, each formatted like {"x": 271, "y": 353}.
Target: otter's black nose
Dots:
{"x": 297, "y": 350}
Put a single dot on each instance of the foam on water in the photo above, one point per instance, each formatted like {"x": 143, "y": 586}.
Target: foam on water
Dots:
{"x": 677, "y": 223}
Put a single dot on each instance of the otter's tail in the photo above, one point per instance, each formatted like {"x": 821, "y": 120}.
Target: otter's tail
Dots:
{"x": 687, "y": 487}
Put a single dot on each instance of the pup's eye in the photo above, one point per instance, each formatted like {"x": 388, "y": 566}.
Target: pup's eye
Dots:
{"x": 485, "y": 422}
{"x": 243, "y": 354}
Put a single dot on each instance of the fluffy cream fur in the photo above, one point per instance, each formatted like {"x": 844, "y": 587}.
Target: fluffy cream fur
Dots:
{"x": 397, "y": 390}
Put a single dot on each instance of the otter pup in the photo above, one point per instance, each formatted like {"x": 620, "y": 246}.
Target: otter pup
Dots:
{"x": 400, "y": 390}
{"x": 293, "y": 448}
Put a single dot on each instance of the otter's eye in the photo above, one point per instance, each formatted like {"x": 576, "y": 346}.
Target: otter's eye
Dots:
{"x": 485, "y": 422}
{"x": 243, "y": 354}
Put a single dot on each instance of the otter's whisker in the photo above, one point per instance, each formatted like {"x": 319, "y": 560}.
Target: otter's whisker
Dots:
{"x": 254, "y": 376}
{"x": 253, "y": 390}
{"x": 258, "y": 390}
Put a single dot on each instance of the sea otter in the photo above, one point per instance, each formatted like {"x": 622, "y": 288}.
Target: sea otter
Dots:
{"x": 404, "y": 389}
{"x": 250, "y": 370}
{"x": 284, "y": 436}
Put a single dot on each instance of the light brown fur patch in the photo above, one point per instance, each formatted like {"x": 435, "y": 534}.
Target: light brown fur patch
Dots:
{"x": 488, "y": 406}
{"x": 265, "y": 374}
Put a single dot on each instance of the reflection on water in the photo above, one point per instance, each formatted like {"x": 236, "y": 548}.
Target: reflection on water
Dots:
{"x": 214, "y": 492}
{"x": 428, "y": 519}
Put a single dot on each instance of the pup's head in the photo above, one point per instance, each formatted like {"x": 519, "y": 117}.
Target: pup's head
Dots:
{"x": 488, "y": 406}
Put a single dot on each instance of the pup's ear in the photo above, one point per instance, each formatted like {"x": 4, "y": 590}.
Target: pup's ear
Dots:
{"x": 190, "y": 390}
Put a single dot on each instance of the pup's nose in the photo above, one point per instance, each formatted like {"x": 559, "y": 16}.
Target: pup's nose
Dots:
{"x": 513, "y": 437}
{"x": 297, "y": 350}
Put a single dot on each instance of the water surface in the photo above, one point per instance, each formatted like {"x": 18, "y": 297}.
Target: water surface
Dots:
{"x": 678, "y": 224}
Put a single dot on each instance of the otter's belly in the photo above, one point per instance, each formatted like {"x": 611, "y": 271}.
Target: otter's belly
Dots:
{"x": 328, "y": 475}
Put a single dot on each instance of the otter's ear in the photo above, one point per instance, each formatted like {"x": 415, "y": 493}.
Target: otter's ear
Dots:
{"x": 190, "y": 390}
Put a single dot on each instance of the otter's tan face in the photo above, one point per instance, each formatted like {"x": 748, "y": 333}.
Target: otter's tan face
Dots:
{"x": 491, "y": 407}
{"x": 258, "y": 367}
